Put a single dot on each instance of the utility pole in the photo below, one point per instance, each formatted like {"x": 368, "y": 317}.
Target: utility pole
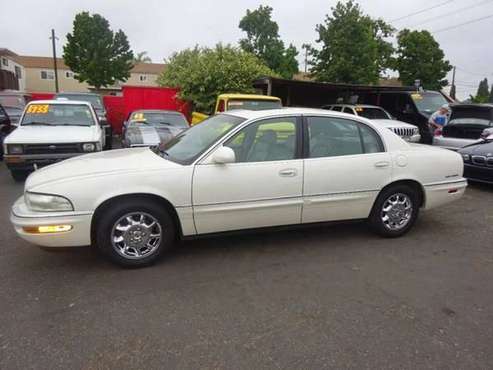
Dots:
{"x": 453, "y": 91}
{"x": 53, "y": 39}
{"x": 306, "y": 47}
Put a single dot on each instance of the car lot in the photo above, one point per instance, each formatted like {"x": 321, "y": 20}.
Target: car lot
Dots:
{"x": 323, "y": 297}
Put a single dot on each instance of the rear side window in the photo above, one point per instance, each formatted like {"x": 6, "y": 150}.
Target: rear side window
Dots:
{"x": 348, "y": 110}
{"x": 337, "y": 109}
{"x": 334, "y": 137}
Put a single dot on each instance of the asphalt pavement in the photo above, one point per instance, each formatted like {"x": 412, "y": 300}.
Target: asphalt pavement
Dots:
{"x": 326, "y": 297}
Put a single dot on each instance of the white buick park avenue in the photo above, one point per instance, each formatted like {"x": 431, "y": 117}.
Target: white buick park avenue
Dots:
{"x": 234, "y": 171}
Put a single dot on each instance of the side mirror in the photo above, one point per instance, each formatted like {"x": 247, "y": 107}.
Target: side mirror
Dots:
{"x": 224, "y": 155}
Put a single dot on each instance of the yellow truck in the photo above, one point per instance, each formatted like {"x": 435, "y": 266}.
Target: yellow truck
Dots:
{"x": 226, "y": 102}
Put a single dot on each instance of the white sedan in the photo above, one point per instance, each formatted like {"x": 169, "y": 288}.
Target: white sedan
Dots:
{"x": 240, "y": 170}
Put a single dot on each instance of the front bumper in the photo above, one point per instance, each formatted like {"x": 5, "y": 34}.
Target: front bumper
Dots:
{"x": 80, "y": 234}
{"x": 452, "y": 143}
{"x": 31, "y": 161}
{"x": 478, "y": 173}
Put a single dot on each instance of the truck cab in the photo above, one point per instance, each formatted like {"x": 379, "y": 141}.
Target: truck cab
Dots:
{"x": 50, "y": 131}
{"x": 227, "y": 102}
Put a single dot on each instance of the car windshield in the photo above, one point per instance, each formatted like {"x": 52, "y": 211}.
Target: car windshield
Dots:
{"x": 158, "y": 119}
{"x": 372, "y": 113}
{"x": 428, "y": 102}
{"x": 253, "y": 104}
{"x": 95, "y": 100}
{"x": 190, "y": 144}
{"x": 57, "y": 115}
{"x": 12, "y": 101}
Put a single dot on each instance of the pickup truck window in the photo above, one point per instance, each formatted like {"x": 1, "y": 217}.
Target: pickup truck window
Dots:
{"x": 253, "y": 104}
{"x": 57, "y": 115}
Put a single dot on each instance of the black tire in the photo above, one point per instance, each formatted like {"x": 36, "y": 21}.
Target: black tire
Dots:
{"x": 107, "y": 221}
{"x": 18, "y": 175}
{"x": 376, "y": 216}
{"x": 109, "y": 138}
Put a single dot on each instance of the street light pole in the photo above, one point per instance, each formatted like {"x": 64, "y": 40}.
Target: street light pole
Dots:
{"x": 53, "y": 38}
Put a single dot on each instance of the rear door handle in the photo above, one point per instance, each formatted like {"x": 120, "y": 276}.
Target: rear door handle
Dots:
{"x": 382, "y": 164}
{"x": 289, "y": 172}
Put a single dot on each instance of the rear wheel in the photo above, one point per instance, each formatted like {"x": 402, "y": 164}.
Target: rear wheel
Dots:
{"x": 395, "y": 211}
{"x": 135, "y": 233}
{"x": 18, "y": 175}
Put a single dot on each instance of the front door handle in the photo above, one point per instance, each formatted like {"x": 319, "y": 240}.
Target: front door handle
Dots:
{"x": 288, "y": 172}
{"x": 382, "y": 164}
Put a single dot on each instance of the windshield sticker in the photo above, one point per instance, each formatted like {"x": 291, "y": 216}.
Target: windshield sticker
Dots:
{"x": 417, "y": 97}
{"x": 38, "y": 109}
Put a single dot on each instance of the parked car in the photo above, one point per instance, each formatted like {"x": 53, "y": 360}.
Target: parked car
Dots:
{"x": 478, "y": 159}
{"x": 466, "y": 124}
{"x": 382, "y": 117}
{"x": 5, "y": 128}
{"x": 50, "y": 131}
{"x": 14, "y": 103}
{"x": 152, "y": 127}
{"x": 237, "y": 170}
{"x": 97, "y": 103}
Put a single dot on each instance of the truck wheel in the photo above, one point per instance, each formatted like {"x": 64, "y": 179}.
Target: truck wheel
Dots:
{"x": 19, "y": 176}
{"x": 395, "y": 211}
{"x": 135, "y": 232}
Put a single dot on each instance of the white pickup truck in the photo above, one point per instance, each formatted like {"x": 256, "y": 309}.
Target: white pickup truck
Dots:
{"x": 50, "y": 131}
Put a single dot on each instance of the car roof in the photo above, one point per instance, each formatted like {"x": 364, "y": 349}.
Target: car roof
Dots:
{"x": 60, "y": 102}
{"x": 158, "y": 111}
{"x": 266, "y": 113}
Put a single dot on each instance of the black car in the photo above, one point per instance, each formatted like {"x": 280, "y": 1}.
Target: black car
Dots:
{"x": 97, "y": 104}
{"x": 478, "y": 159}
{"x": 13, "y": 102}
{"x": 6, "y": 128}
{"x": 152, "y": 127}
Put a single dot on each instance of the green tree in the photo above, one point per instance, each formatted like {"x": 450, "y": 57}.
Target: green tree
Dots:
{"x": 142, "y": 57}
{"x": 95, "y": 53}
{"x": 264, "y": 41}
{"x": 202, "y": 74}
{"x": 490, "y": 100}
{"x": 483, "y": 93}
{"x": 353, "y": 46}
{"x": 419, "y": 57}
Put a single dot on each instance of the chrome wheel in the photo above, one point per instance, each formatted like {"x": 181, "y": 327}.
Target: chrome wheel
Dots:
{"x": 136, "y": 235}
{"x": 397, "y": 211}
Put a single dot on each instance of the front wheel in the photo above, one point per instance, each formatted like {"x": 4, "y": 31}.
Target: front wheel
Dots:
{"x": 395, "y": 211}
{"x": 135, "y": 233}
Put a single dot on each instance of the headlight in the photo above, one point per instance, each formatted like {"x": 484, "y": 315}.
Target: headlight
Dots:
{"x": 14, "y": 149}
{"x": 466, "y": 157}
{"x": 90, "y": 147}
{"x": 47, "y": 202}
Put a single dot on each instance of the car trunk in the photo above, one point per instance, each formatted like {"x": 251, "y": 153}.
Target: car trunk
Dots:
{"x": 468, "y": 122}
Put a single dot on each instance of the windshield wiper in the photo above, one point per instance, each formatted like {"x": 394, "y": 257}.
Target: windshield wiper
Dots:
{"x": 34, "y": 123}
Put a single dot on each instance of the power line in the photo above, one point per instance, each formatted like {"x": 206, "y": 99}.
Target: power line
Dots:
{"x": 462, "y": 24}
{"x": 474, "y": 73}
{"x": 422, "y": 11}
{"x": 428, "y": 20}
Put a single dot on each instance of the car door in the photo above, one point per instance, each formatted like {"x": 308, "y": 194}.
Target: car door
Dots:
{"x": 345, "y": 167}
{"x": 263, "y": 187}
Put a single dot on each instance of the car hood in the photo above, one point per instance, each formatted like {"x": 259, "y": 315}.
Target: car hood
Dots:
{"x": 150, "y": 135}
{"x": 481, "y": 148}
{"x": 99, "y": 164}
{"x": 392, "y": 123}
{"x": 52, "y": 134}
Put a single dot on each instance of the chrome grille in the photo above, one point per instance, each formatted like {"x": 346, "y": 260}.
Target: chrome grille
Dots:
{"x": 52, "y": 148}
{"x": 405, "y": 131}
{"x": 481, "y": 160}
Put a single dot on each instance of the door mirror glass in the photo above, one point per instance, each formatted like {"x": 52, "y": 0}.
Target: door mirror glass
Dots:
{"x": 224, "y": 155}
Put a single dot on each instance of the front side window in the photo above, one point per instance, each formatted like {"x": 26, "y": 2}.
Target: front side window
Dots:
{"x": 190, "y": 144}
{"x": 57, "y": 115}
{"x": 333, "y": 137}
{"x": 47, "y": 75}
{"x": 269, "y": 140}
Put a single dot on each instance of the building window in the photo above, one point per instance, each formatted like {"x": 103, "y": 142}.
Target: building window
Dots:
{"x": 69, "y": 74}
{"x": 5, "y": 62}
{"x": 47, "y": 75}
{"x": 143, "y": 78}
{"x": 18, "y": 72}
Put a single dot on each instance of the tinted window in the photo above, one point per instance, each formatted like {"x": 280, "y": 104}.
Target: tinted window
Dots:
{"x": 348, "y": 110}
{"x": 333, "y": 137}
{"x": 269, "y": 140}
{"x": 372, "y": 113}
{"x": 337, "y": 109}
{"x": 428, "y": 102}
